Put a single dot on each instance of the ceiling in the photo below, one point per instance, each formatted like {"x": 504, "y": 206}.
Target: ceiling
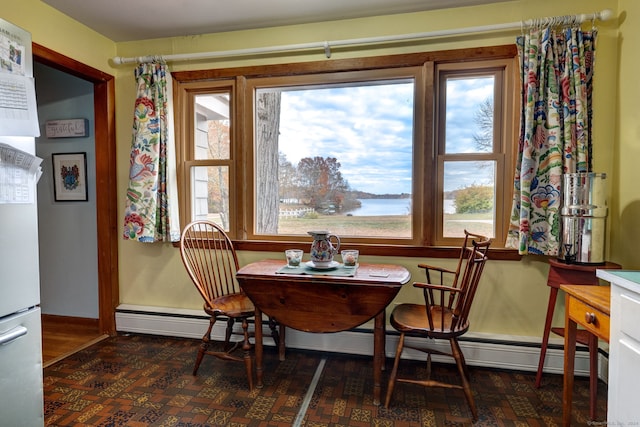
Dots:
{"x": 130, "y": 20}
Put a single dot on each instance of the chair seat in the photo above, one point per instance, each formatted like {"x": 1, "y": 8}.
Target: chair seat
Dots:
{"x": 232, "y": 305}
{"x": 412, "y": 319}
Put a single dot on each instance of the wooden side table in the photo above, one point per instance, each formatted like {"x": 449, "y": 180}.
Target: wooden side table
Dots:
{"x": 575, "y": 274}
{"x": 589, "y": 307}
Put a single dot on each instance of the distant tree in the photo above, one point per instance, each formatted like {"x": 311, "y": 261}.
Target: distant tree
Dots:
{"x": 218, "y": 187}
{"x": 483, "y": 117}
{"x": 287, "y": 179}
{"x": 321, "y": 181}
{"x": 474, "y": 199}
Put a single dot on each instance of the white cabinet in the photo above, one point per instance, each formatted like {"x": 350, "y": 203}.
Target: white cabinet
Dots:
{"x": 624, "y": 346}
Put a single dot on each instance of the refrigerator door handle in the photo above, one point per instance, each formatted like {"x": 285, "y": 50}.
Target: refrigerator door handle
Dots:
{"x": 13, "y": 334}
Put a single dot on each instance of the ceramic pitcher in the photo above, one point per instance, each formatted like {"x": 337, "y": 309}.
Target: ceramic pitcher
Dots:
{"x": 322, "y": 251}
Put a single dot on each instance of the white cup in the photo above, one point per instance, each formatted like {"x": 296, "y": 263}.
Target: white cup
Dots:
{"x": 294, "y": 257}
{"x": 350, "y": 257}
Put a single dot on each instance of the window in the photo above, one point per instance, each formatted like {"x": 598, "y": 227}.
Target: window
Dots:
{"x": 334, "y": 156}
{"x": 471, "y": 150}
{"x": 206, "y": 163}
{"x": 399, "y": 152}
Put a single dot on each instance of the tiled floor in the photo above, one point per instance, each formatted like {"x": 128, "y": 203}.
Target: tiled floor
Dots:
{"x": 146, "y": 381}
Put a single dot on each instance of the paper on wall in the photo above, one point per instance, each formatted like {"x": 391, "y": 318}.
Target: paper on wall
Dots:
{"x": 19, "y": 174}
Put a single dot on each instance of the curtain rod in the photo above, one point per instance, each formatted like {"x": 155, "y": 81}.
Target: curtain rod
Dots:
{"x": 327, "y": 45}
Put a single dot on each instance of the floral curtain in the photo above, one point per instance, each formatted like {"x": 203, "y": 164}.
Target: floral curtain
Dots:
{"x": 151, "y": 210}
{"x": 556, "y": 68}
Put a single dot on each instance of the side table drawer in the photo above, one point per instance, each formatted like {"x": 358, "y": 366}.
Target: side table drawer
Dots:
{"x": 590, "y": 317}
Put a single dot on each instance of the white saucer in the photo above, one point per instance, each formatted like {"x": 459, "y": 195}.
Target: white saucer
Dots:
{"x": 332, "y": 265}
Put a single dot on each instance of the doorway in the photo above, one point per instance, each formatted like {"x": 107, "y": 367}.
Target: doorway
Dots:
{"x": 105, "y": 173}
{"x": 67, "y": 236}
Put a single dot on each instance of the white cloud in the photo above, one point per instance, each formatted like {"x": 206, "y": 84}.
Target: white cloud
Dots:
{"x": 369, "y": 130}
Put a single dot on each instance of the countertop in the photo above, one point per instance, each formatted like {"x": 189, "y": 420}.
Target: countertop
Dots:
{"x": 629, "y": 279}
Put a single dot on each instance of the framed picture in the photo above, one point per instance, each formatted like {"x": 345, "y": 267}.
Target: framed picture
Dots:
{"x": 70, "y": 177}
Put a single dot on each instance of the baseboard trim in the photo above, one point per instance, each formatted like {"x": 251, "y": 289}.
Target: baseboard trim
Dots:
{"x": 485, "y": 350}
{"x": 55, "y": 319}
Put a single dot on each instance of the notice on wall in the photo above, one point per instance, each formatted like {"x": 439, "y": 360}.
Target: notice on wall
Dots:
{"x": 19, "y": 174}
{"x": 18, "y": 108}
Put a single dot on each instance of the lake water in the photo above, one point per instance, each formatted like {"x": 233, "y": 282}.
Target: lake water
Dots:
{"x": 376, "y": 207}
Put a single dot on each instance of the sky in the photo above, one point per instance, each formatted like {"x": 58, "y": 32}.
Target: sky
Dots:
{"x": 369, "y": 130}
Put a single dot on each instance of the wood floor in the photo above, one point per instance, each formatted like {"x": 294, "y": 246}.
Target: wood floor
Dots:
{"x": 62, "y": 336}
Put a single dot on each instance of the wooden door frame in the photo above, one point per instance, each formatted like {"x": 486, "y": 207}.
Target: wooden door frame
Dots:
{"x": 106, "y": 188}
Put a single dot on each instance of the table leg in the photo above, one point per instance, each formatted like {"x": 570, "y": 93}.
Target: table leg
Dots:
{"x": 281, "y": 345}
{"x": 569, "y": 360}
{"x": 545, "y": 335}
{"x": 258, "y": 347}
{"x": 378, "y": 355}
{"x": 593, "y": 377}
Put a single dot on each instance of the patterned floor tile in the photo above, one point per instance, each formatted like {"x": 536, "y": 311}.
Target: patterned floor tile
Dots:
{"x": 139, "y": 380}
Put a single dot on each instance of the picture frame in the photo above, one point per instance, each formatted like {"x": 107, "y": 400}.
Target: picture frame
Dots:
{"x": 70, "y": 177}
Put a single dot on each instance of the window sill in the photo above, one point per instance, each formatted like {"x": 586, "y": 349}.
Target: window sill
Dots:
{"x": 502, "y": 254}
{"x": 499, "y": 254}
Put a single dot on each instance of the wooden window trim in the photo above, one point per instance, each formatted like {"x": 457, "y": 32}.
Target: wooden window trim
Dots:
{"x": 243, "y": 171}
{"x": 504, "y": 99}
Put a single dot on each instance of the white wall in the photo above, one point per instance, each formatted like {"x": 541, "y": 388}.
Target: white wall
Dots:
{"x": 67, "y": 230}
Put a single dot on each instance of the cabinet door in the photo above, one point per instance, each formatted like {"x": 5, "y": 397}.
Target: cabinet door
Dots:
{"x": 21, "y": 402}
{"x": 625, "y": 407}
{"x": 624, "y": 357}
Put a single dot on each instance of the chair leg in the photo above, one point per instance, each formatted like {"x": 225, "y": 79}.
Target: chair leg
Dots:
{"x": 246, "y": 347}
{"x": 464, "y": 362}
{"x": 228, "y": 333}
{"x": 394, "y": 371}
{"x": 274, "y": 331}
{"x": 204, "y": 346}
{"x": 462, "y": 369}
{"x": 278, "y": 334}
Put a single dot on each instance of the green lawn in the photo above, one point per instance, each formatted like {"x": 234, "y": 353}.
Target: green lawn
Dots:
{"x": 383, "y": 226}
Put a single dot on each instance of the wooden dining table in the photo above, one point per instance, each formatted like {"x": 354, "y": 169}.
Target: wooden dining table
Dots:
{"x": 321, "y": 302}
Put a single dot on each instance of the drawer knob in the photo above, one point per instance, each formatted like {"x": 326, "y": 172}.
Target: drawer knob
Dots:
{"x": 590, "y": 318}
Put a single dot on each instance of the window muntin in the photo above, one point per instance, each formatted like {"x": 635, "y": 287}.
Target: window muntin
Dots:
{"x": 344, "y": 153}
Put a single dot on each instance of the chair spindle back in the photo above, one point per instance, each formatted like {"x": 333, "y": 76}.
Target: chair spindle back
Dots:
{"x": 210, "y": 259}
{"x": 476, "y": 260}
{"x": 456, "y": 299}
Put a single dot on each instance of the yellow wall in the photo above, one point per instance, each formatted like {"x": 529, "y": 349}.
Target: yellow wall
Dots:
{"x": 58, "y": 32}
{"x": 625, "y": 141}
{"x": 513, "y": 296}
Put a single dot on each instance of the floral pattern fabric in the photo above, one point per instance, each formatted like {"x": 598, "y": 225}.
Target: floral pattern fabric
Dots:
{"x": 151, "y": 203}
{"x": 556, "y": 68}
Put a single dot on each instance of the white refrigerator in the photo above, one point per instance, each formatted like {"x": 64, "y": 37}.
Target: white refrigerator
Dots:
{"x": 21, "y": 398}
{"x": 21, "y": 386}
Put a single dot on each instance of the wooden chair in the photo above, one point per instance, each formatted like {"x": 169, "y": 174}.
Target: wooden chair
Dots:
{"x": 444, "y": 315}
{"x": 446, "y": 276}
{"x": 211, "y": 262}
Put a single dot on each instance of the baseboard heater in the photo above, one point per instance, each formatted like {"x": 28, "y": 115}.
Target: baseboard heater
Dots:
{"x": 485, "y": 350}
